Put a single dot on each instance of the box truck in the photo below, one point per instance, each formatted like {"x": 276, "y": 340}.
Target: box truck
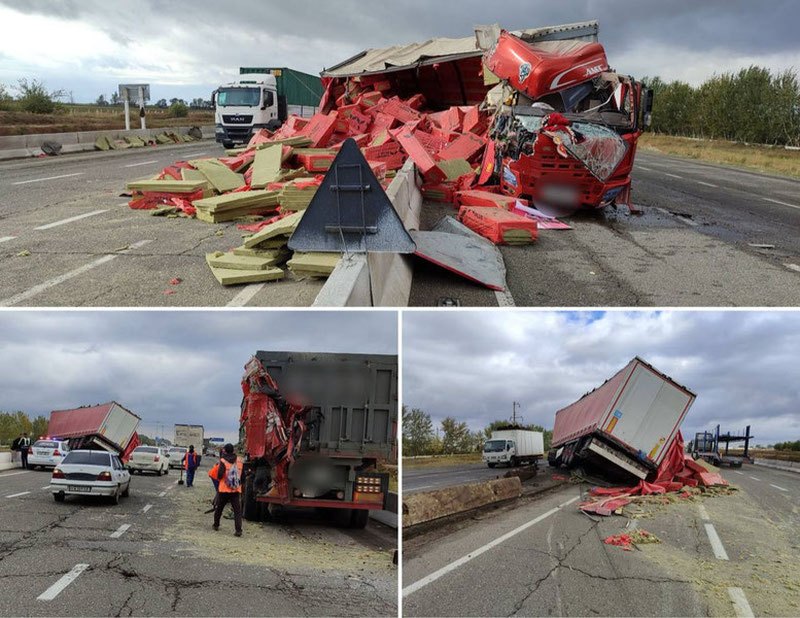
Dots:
{"x": 107, "y": 426}
{"x": 350, "y": 426}
{"x": 513, "y": 447}
{"x": 262, "y": 98}
{"x": 188, "y": 435}
{"x": 625, "y": 426}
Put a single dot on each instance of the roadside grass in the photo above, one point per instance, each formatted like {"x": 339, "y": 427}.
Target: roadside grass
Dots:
{"x": 767, "y": 453}
{"x": 760, "y": 158}
{"x": 440, "y": 460}
{"x": 94, "y": 118}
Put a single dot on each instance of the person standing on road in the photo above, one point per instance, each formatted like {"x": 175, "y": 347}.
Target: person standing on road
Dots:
{"x": 229, "y": 475}
{"x": 24, "y": 445}
{"x": 190, "y": 462}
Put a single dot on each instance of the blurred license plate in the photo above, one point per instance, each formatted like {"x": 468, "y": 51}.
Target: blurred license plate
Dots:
{"x": 79, "y": 488}
{"x": 43, "y": 453}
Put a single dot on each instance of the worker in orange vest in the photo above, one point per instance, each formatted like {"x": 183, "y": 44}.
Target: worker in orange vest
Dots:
{"x": 190, "y": 463}
{"x": 229, "y": 475}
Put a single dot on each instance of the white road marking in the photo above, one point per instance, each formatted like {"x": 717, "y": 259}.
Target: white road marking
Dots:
{"x": 793, "y": 267}
{"x": 737, "y": 472}
{"x": 673, "y": 175}
{"x": 53, "y": 591}
{"x": 423, "y": 487}
{"x": 633, "y": 524}
{"x": 6, "y": 238}
{"x": 646, "y": 169}
{"x": 71, "y": 219}
{"x": 419, "y": 584}
{"x": 767, "y": 199}
{"x": 686, "y": 221}
{"x": 25, "y": 182}
{"x": 755, "y": 478}
{"x": 706, "y": 184}
{"x": 142, "y": 163}
{"x": 194, "y": 154}
{"x": 716, "y": 544}
{"x": 778, "y": 487}
{"x": 147, "y": 508}
{"x": 162, "y": 494}
{"x": 47, "y": 487}
{"x": 2, "y": 476}
{"x": 24, "y": 493}
{"x": 246, "y": 295}
{"x": 504, "y": 298}
{"x": 120, "y": 531}
{"x": 740, "y": 605}
{"x": 703, "y": 512}
{"x": 41, "y": 287}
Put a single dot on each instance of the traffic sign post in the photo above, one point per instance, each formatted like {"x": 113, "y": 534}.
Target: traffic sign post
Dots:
{"x": 142, "y": 92}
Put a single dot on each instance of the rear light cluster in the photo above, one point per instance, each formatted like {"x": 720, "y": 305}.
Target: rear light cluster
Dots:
{"x": 30, "y": 450}
{"x": 104, "y": 476}
{"x": 58, "y": 474}
{"x": 156, "y": 458}
{"x": 56, "y": 453}
{"x": 368, "y": 484}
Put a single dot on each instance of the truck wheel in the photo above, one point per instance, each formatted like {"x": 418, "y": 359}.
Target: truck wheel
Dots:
{"x": 513, "y": 462}
{"x": 491, "y": 465}
{"x": 359, "y": 519}
{"x": 341, "y": 518}
{"x": 251, "y": 510}
{"x": 227, "y": 145}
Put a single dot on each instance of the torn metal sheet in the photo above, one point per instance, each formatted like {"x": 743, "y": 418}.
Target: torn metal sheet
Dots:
{"x": 473, "y": 258}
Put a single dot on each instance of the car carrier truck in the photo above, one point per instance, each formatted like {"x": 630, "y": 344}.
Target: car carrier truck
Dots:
{"x": 107, "y": 426}
{"x": 262, "y": 98}
{"x": 350, "y": 426}
{"x": 624, "y": 427}
{"x": 513, "y": 447}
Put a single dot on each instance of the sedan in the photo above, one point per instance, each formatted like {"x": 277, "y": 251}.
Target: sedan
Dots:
{"x": 90, "y": 473}
{"x": 149, "y": 458}
{"x": 47, "y": 453}
{"x": 176, "y": 455}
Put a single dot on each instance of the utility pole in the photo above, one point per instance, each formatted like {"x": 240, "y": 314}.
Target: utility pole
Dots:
{"x": 514, "y": 406}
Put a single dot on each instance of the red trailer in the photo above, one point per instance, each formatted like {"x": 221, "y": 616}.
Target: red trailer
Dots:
{"x": 107, "y": 426}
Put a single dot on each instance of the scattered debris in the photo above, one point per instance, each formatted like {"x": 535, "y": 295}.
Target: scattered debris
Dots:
{"x": 24, "y": 253}
{"x": 629, "y": 540}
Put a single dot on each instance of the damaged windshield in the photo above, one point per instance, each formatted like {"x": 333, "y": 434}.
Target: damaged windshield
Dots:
{"x": 247, "y": 97}
{"x": 599, "y": 148}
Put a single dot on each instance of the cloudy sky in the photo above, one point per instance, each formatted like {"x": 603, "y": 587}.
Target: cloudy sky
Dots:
{"x": 187, "y": 48}
{"x": 167, "y": 367}
{"x": 743, "y": 366}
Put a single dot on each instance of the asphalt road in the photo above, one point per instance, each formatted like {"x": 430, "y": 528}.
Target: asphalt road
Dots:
{"x": 691, "y": 247}
{"x": 438, "y": 477}
{"x": 169, "y": 562}
{"x": 545, "y": 558}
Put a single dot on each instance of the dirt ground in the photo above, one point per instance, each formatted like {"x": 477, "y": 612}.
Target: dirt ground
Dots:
{"x": 440, "y": 460}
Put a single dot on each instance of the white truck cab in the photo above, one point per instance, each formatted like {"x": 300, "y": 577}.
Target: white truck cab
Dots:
{"x": 245, "y": 105}
{"x": 513, "y": 447}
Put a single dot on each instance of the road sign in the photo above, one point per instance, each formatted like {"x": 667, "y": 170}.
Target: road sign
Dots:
{"x": 131, "y": 91}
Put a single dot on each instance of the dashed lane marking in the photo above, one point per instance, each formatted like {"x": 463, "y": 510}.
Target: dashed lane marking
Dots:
{"x": 716, "y": 543}
{"x": 140, "y": 163}
{"x": 147, "y": 508}
{"x": 23, "y": 493}
{"x": 46, "y": 487}
{"x": 53, "y": 591}
{"x": 793, "y": 267}
{"x": 778, "y": 487}
{"x": 673, "y": 175}
{"x": 707, "y": 184}
{"x": 755, "y": 478}
{"x": 737, "y": 472}
{"x": 419, "y": 584}
{"x": 120, "y": 531}
{"x": 740, "y": 605}
{"x": 41, "y": 287}
{"x": 2, "y": 476}
{"x": 646, "y": 169}
{"x": 768, "y": 199}
{"x": 246, "y": 295}
{"x": 685, "y": 220}
{"x": 703, "y": 512}
{"x": 162, "y": 494}
{"x": 25, "y": 182}
{"x": 71, "y": 219}
{"x": 6, "y": 238}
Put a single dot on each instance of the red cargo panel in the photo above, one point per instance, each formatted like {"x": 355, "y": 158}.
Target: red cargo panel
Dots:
{"x": 77, "y": 422}
{"x": 493, "y": 223}
{"x": 320, "y": 129}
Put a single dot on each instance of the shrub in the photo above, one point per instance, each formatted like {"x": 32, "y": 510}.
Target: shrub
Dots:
{"x": 5, "y": 98}
{"x": 35, "y": 98}
{"x": 178, "y": 110}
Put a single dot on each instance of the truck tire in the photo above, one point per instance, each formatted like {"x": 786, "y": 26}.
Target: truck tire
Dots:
{"x": 359, "y": 519}
{"x": 491, "y": 465}
{"x": 513, "y": 462}
{"x": 250, "y": 508}
{"x": 341, "y": 518}
{"x": 227, "y": 145}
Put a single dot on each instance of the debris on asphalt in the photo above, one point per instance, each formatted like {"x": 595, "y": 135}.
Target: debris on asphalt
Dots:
{"x": 629, "y": 540}
{"x": 104, "y": 142}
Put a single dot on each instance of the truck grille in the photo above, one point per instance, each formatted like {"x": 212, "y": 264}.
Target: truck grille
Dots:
{"x": 80, "y": 476}
{"x": 237, "y": 118}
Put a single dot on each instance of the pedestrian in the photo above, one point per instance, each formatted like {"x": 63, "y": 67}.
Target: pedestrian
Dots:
{"x": 212, "y": 474}
{"x": 15, "y": 456}
{"x": 24, "y": 445}
{"x": 229, "y": 475}
{"x": 190, "y": 462}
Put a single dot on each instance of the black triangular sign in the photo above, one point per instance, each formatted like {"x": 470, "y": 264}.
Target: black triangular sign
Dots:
{"x": 351, "y": 210}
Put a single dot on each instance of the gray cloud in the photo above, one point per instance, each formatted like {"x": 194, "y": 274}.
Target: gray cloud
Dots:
{"x": 168, "y": 367}
{"x": 472, "y": 365}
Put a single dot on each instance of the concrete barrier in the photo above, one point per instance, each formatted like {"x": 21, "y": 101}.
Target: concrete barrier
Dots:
{"x": 22, "y": 146}
{"x": 778, "y": 464}
{"x": 378, "y": 279}
{"x": 426, "y": 506}
{"x": 6, "y": 462}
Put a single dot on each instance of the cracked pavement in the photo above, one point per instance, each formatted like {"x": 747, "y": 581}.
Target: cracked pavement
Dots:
{"x": 165, "y": 564}
{"x": 560, "y": 566}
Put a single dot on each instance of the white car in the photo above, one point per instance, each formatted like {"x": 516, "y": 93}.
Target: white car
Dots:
{"x": 90, "y": 473}
{"x": 176, "y": 455}
{"x": 47, "y": 453}
{"x": 149, "y": 459}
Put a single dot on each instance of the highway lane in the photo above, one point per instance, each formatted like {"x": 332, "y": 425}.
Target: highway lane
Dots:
{"x": 155, "y": 554}
{"x": 547, "y": 558}
{"x": 438, "y": 477}
{"x": 691, "y": 247}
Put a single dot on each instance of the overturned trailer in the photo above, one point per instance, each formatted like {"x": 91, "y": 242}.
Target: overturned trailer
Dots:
{"x": 624, "y": 427}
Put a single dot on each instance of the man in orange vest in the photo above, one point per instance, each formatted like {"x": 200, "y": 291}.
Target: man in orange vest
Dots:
{"x": 190, "y": 462}
{"x": 229, "y": 475}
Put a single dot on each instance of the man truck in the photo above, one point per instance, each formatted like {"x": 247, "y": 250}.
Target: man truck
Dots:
{"x": 625, "y": 427}
{"x": 262, "y": 98}
{"x": 514, "y": 447}
{"x": 350, "y": 426}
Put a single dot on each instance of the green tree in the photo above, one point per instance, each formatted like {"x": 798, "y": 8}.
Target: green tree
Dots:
{"x": 417, "y": 432}
{"x": 178, "y": 110}
{"x": 456, "y": 437}
{"x": 5, "y": 98}
{"x": 35, "y": 98}
{"x": 39, "y": 427}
